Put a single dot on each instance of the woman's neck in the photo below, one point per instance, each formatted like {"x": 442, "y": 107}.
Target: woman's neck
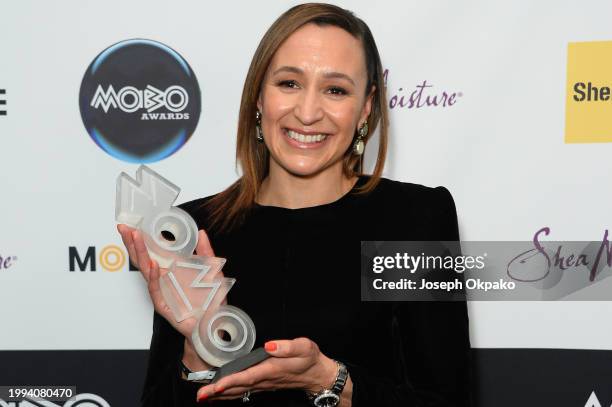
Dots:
{"x": 283, "y": 189}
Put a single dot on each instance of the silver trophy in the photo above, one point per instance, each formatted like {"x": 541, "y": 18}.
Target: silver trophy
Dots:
{"x": 192, "y": 286}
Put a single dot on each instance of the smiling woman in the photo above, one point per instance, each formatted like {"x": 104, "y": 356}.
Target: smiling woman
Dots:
{"x": 290, "y": 228}
{"x": 313, "y": 98}
{"x": 316, "y": 72}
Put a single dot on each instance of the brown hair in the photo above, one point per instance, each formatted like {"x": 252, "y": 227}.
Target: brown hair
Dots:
{"x": 228, "y": 208}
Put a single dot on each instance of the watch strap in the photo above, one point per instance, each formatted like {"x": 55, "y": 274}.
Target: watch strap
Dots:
{"x": 331, "y": 397}
{"x": 341, "y": 379}
{"x": 204, "y": 376}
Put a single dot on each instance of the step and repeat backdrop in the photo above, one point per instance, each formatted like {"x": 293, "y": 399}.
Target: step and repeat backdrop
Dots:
{"x": 505, "y": 103}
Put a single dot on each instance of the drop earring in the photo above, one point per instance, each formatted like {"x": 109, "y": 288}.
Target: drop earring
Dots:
{"x": 359, "y": 145}
{"x": 259, "y": 136}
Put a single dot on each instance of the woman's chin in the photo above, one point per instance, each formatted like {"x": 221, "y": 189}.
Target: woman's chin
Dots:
{"x": 303, "y": 169}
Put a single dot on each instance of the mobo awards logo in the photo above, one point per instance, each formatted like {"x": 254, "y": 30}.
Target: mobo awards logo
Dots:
{"x": 588, "y": 105}
{"x": 110, "y": 258}
{"x": 140, "y": 101}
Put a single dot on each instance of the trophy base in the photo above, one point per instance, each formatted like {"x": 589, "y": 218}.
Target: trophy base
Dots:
{"x": 242, "y": 363}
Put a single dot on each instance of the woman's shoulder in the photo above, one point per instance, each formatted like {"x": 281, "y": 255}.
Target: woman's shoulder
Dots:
{"x": 198, "y": 210}
{"x": 416, "y": 193}
{"x": 409, "y": 204}
{"x": 195, "y": 204}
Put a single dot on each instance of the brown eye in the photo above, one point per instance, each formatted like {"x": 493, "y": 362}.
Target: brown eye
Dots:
{"x": 337, "y": 91}
{"x": 288, "y": 84}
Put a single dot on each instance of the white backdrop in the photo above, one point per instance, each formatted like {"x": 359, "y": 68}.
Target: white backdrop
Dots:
{"x": 499, "y": 149}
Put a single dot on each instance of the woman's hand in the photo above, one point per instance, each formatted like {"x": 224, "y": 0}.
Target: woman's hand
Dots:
{"x": 295, "y": 364}
{"x": 139, "y": 256}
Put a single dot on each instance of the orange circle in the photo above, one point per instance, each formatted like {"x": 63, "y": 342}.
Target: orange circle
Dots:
{"x": 106, "y": 258}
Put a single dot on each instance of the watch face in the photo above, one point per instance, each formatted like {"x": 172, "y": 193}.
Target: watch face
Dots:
{"x": 327, "y": 399}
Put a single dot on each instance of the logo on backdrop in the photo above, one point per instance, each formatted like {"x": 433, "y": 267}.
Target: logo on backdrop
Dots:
{"x": 81, "y": 400}
{"x": 593, "y": 401}
{"x": 140, "y": 101}
{"x": 588, "y": 102}
{"x": 6, "y": 262}
{"x": 108, "y": 258}
{"x": 2, "y": 102}
{"x": 423, "y": 95}
{"x": 592, "y": 258}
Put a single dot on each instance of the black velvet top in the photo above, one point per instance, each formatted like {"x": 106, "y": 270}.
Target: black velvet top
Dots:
{"x": 298, "y": 275}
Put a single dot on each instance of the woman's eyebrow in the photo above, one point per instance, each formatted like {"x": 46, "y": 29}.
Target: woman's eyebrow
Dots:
{"x": 338, "y": 75}
{"x": 327, "y": 75}
{"x": 290, "y": 69}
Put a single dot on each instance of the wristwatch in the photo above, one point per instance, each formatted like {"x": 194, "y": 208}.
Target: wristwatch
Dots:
{"x": 331, "y": 397}
{"x": 204, "y": 377}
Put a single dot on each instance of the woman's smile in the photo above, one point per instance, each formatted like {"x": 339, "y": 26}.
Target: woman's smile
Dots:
{"x": 305, "y": 139}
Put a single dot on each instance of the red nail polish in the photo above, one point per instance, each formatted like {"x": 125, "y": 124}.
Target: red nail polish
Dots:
{"x": 202, "y": 397}
{"x": 270, "y": 346}
{"x": 219, "y": 390}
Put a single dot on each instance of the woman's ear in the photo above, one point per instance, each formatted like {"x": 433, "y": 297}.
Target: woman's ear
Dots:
{"x": 367, "y": 106}
{"x": 259, "y": 104}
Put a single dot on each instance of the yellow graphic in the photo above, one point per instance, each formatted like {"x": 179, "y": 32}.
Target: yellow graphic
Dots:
{"x": 588, "y": 104}
{"x": 112, "y": 258}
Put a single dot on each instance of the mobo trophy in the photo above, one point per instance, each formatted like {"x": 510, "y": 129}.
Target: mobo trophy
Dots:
{"x": 192, "y": 286}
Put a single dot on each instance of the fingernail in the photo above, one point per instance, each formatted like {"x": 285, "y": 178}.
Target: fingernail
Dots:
{"x": 219, "y": 390}
{"x": 270, "y": 346}
{"x": 151, "y": 264}
{"x": 202, "y": 397}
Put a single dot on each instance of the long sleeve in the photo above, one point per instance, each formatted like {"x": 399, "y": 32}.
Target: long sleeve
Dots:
{"x": 163, "y": 386}
{"x": 164, "y": 344}
{"x": 432, "y": 361}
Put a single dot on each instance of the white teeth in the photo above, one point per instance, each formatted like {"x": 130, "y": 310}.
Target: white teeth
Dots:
{"x": 302, "y": 138}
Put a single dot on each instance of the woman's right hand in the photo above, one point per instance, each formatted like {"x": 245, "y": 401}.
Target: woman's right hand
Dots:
{"x": 139, "y": 256}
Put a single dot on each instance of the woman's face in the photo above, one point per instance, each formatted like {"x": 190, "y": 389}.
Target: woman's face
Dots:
{"x": 313, "y": 98}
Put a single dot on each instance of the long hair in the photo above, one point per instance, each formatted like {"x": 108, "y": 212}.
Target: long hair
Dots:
{"x": 228, "y": 208}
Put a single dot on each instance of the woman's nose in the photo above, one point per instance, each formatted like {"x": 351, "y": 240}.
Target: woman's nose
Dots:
{"x": 308, "y": 108}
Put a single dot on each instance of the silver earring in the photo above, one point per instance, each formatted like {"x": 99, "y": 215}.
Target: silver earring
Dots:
{"x": 359, "y": 145}
{"x": 258, "y": 127}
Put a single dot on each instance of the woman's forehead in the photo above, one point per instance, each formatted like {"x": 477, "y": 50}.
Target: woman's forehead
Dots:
{"x": 315, "y": 49}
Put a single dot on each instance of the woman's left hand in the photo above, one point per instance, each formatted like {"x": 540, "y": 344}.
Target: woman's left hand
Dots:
{"x": 295, "y": 364}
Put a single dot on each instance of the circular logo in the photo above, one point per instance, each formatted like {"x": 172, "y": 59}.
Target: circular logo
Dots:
{"x": 140, "y": 101}
{"x": 112, "y": 258}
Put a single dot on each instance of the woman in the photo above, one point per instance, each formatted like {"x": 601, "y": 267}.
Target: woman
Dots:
{"x": 291, "y": 228}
